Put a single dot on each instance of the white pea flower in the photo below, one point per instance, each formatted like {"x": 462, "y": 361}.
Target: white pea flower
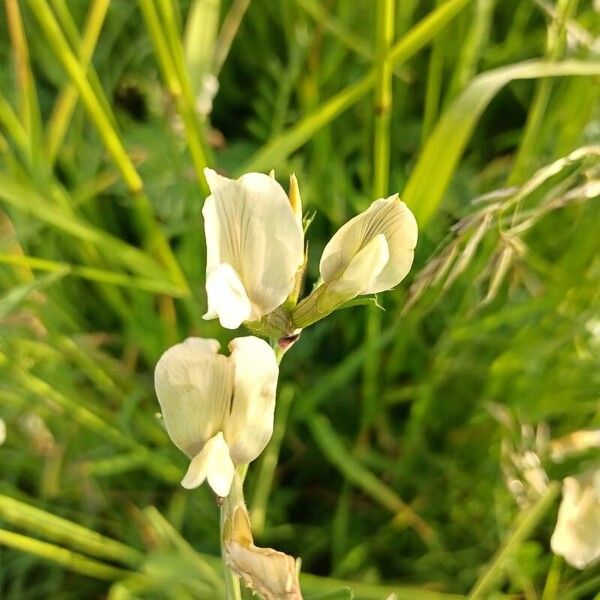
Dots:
{"x": 2, "y": 432}
{"x": 217, "y": 409}
{"x": 255, "y": 246}
{"x": 577, "y": 534}
{"x": 371, "y": 253}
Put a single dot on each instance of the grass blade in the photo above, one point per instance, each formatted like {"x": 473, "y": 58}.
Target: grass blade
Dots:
{"x": 66, "y": 558}
{"x": 280, "y": 147}
{"x": 63, "y": 531}
{"x": 431, "y": 176}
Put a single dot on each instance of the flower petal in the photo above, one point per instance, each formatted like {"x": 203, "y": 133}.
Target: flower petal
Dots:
{"x": 249, "y": 425}
{"x": 389, "y": 217}
{"x": 363, "y": 269}
{"x": 269, "y": 572}
{"x": 213, "y": 463}
{"x": 194, "y": 386}
{"x": 577, "y": 533}
{"x": 227, "y": 297}
{"x": 250, "y": 225}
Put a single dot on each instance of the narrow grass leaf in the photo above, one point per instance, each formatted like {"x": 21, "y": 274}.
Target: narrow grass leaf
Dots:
{"x": 63, "y": 531}
{"x": 280, "y": 147}
{"x": 65, "y": 558}
{"x": 336, "y": 452}
{"x": 437, "y": 164}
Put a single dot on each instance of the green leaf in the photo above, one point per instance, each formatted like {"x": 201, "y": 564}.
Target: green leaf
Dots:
{"x": 437, "y": 164}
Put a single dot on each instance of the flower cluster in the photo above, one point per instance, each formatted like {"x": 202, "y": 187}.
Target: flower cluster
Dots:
{"x": 219, "y": 410}
{"x": 256, "y": 260}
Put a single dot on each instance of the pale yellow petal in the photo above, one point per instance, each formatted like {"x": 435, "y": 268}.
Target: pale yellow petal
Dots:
{"x": 389, "y": 217}
{"x": 194, "y": 387}
{"x": 269, "y": 572}
{"x": 249, "y": 425}
{"x": 363, "y": 269}
{"x": 250, "y": 225}
{"x": 577, "y": 534}
{"x": 213, "y": 463}
{"x": 227, "y": 297}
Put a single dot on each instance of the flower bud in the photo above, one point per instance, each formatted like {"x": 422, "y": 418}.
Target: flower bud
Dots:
{"x": 218, "y": 410}
{"x": 295, "y": 199}
{"x": 371, "y": 253}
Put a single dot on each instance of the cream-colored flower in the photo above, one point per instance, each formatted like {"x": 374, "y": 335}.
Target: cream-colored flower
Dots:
{"x": 2, "y": 432}
{"x": 255, "y": 247}
{"x": 217, "y": 409}
{"x": 371, "y": 253}
{"x": 577, "y": 534}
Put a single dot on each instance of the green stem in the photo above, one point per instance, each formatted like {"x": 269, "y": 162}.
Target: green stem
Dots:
{"x": 381, "y": 165}
{"x": 236, "y": 496}
{"x": 268, "y": 463}
{"x": 169, "y": 53}
{"x": 525, "y": 526}
{"x": 67, "y": 100}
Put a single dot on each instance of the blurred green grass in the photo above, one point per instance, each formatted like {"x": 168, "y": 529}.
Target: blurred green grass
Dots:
{"x": 387, "y": 473}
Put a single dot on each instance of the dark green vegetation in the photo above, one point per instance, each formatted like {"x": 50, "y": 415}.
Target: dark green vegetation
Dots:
{"x": 388, "y": 448}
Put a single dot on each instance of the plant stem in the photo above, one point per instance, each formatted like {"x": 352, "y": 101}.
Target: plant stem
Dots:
{"x": 525, "y": 526}
{"x": 381, "y": 164}
{"x": 235, "y": 497}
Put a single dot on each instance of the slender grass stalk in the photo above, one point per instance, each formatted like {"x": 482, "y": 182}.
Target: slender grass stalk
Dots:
{"x": 382, "y": 108}
{"x": 66, "y": 558}
{"x": 63, "y": 531}
{"x": 69, "y": 27}
{"x": 525, "y": 525}
{"x": 434, "y": 86}
{"x": 553, "y": 579}
{"x": 236, "y": 496}
{"x": 535, "y": 117}
{"x": 287, "y": 142}
{"x": 384, "y": 27}
{"x": 201, "y": 28}
{"x": 268, "y": 463}
{"x": 92, "y": 274}
{"x": 470, "y": 51}
{"x": 64, "y": 106}
{"x": 169, "y": 51}
{"x": 230, "y": 26}
{"x": 12, "y": 125}
{"x": 108, "y": 134}
{"x": 29, "y": 107}
{"x": 350, "y": 40}
{"x": 154, "y": 237}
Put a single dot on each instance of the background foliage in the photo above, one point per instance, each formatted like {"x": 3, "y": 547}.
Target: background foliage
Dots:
{"x": 387, "y": 472}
